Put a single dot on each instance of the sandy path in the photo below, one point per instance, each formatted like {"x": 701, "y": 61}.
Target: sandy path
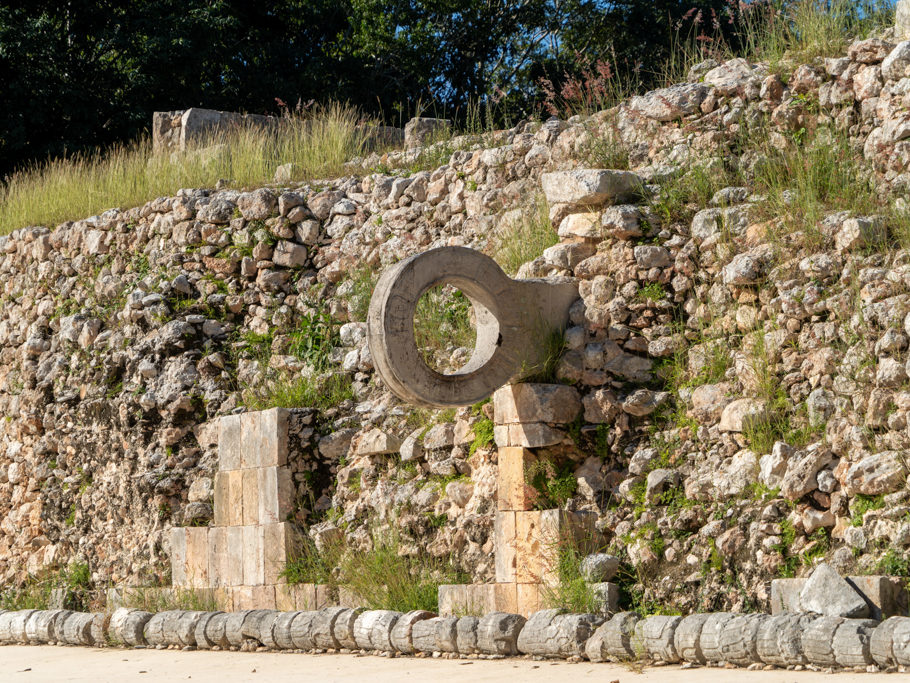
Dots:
{"x": 44, "y": 663}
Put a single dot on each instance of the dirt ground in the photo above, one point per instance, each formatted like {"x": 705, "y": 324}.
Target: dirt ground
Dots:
{"x": 45, "y": 663}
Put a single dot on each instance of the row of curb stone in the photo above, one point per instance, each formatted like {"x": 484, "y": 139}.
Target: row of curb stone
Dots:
{"x": 749, "y": 640}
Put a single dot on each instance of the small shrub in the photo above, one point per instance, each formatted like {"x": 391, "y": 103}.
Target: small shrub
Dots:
{"x": 554, "y": 485}
{"x": 483, "y": 434}
{"x": 153, "y": 599}
{"x": 443, "y": 321}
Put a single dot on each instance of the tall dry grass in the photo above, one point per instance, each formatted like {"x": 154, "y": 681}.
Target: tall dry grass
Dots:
{"x": 127, "y": 175}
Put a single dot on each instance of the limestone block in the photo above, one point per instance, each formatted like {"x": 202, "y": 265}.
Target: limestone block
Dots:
{"x": 264, "y": 438}
{"x": 851, "y": 644}
{"x": 17, "y": 625}
{"x": 589, "y": 187}
{"x": 325, "y": 596}
{"x": 229, "y": 444}
{"x": 529, "y": 598}
{"x": 128, "y": 626}
{"x": 341, "y": 624}
{"x": 550, "y": 633}
{"x": 276, "y": 494}
{"x": 785, "y": 595}
{"x": 279, "y": 543}
{"x": 615, "y": 640}
{"x": 466, "y": 635}
{"x": 161, "y": 628}
{"x": 818, "y": 640}
{"x": 263, "y": 597}
{"x": 42, "y": 627}
{"x": 253, "y": 556}
{"x": 281, "y": 630}
{"x": 606, "y": 596}
{"x": 233, "y": 627}
{"x": 825, "y": 592}
{"x": 436, "y": 634}
{"x": 513, "y": 490}
{"x": 504, "y": 544}
{"x": 884, "y": 596}
{"x": 497, "y": 633}
{"x": 421, "y": 130}
{"x": 538, "y": 536}
{"x": 250, "y": 507}
{"x": 527, "y": 435}
{"x": 655, "y": 633}
{"x": 373, "y": 630}
{"x": 779, "y": 639}
{"x": 738, "y": 640}
{"x": 711, "y": 632}
{"x": 210, "y": 630}
{"x": 687, "y": 638}
{"x": 5, "y": 618}
{"x": 900, "y": 643}
{"x": 234, "y": 545}
{"x": 402, "y": 631}
{"x": 178, "y": 556}
{"x": 222, "y": 502}
{"x": 197, "y": 557}
{"x": 186, "y": 628}
{"x": 882, "y": 640}
{"x": 219, "y": 568}
{"x": 99, "y": 631}
{"x": 267, "y": 630}
{"x": 529, "y": 402}
{"x": 77, "y": 629}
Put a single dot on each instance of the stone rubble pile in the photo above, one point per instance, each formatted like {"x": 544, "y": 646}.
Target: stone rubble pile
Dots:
{"x": 786, "y": 640}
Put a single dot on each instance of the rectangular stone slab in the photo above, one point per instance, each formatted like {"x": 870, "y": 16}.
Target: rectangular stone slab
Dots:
{"x": 178, "y": 556}
{"x": 253, "y": 565}
{"x": 886, "y": 595}
{"x": 476, "y": 599}
{"x": 197, "y": 557}
{"x": 504, "y": 546}
{"x": 250, "y": 496}
{"x": 229, "y": 443}
{"x": 276, "y": 494}
{"x": 513, "y": 491}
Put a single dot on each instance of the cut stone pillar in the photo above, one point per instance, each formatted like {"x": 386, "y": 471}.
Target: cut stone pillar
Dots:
{"x": 514, "y": 492}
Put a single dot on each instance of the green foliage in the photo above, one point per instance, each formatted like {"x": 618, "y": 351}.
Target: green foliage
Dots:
{"x": 483, "y": 434}
{"x": 75, "y": 581}
{"x": 861, "y": 504}
{"x": 443, "y": 322}
{"x": 154, "y": 599}
{"x": 653, "y": 291}
{"x": 359, "y": 290}
{"x": 554, "y": 484}
{"x": 129, "y": 174}
{"x": 524, "y": 237}
{"x": 571, "y": 592}
{"x": 379, "y": 578}
{"x": 299, "y": 391}
{"x": 314, "y": 339}
{"x": 894, "y": 562}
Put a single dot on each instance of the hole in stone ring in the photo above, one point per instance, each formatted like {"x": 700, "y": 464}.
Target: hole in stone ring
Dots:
{"x": 445, "y": 328}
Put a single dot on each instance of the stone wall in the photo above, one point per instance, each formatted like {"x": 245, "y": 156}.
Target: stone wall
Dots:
{"x": 123, "y": 335}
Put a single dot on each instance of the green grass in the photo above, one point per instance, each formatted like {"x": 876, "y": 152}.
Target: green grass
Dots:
{"x": 524, "y": 239}
{"x": 129, "y": 174}
{"x": 443, "y": 322}
{"x": 861, "y": 504}
{"x": 554, "y": 484}
{"x": 483, "y": 435}
{"x": 35, "y": 593}
{"x": 379, "y": 578}
{"x": 153, "y": 599}
{"x": 298, "y": 391}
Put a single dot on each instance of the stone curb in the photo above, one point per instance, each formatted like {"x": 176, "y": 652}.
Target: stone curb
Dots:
{"x": 745, "y": 640}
